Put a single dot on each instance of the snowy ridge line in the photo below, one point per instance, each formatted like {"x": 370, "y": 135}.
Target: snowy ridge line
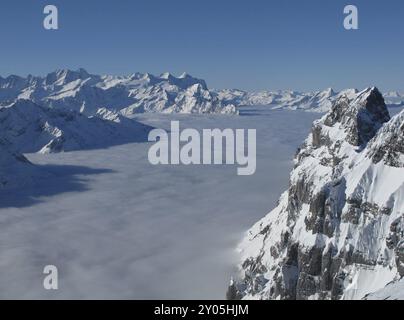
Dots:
{"x": 338, "y": 231}
{"x": 318, "y": 101}
{"x": 26, "y": 127}
{"x": 30, "y": 128}
{"x": 138, "y": 93}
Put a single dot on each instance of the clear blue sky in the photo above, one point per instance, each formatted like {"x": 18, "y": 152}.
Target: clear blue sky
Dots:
{"x": 250, "y": 44}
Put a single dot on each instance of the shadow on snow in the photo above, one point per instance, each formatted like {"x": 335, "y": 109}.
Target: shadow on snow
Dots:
{"x": 53, "y": 180}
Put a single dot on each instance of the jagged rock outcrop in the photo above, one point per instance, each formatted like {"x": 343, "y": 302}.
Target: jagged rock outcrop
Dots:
{"x": 388, "y": 147}
{"x": 337, "y": 233}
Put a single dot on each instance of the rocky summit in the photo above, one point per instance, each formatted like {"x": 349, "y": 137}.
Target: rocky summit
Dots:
{"x": 338, "y": 231}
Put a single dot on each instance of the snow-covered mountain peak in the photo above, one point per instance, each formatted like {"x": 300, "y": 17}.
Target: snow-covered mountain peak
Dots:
{"x": 184, "y": 75}
{"x": 329, "y": 92}
{"x": 149, "y": 78}
{"x": 136, "y": 76}
{"x": 184, "y": 81}
{"x": 337, "y": 232}
{"x": 12, "y": 82}
{"x": 166, "y": 76}
{"x": 86, "y": 93}
{"x": 76, "y": 74}
{"x": 64, "y": 76}
{"x": 361, "y": 116}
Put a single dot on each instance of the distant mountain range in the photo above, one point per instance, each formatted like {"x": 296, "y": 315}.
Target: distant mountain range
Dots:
{"x": 142, "y": 93}
{"x": 318, "y": 101}
{"x": 138, "y": 93}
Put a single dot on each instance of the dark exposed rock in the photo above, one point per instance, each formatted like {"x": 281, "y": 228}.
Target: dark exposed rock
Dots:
{"x": 298, "y": 195}
{"x": 337, "y": 289}
{"x": 395, "y": 241}
{"x": 286, "y": 285}
{"x": 391, "y": 148}
{"x": 386, "y": 210}
{"x": 328, "y": 268}
{"x": 310, "y": 261}
{"x": 292, "y": 255}
{"x": 337, "y": 111}
{"x": 320, "y": 266}
{"x": 361, "y": 118}
{"x": 307, "y": 286}
{"x": 315, "y": 222}
{"x": 354, "y": 211}
{"x": 233, "y": 293}
{"x": 399, "y": 251}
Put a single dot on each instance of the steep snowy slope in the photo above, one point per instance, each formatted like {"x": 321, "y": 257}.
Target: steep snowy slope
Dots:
{"x": 29, "y": 128}
{"x": 338, "y": 232}
{"x": 393, "y": 291}
{"x": 86, "y": 93}
{"x": 15, "y": 169}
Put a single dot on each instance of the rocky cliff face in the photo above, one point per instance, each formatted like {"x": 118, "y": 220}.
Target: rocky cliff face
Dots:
{"x": 338, "y": 231}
